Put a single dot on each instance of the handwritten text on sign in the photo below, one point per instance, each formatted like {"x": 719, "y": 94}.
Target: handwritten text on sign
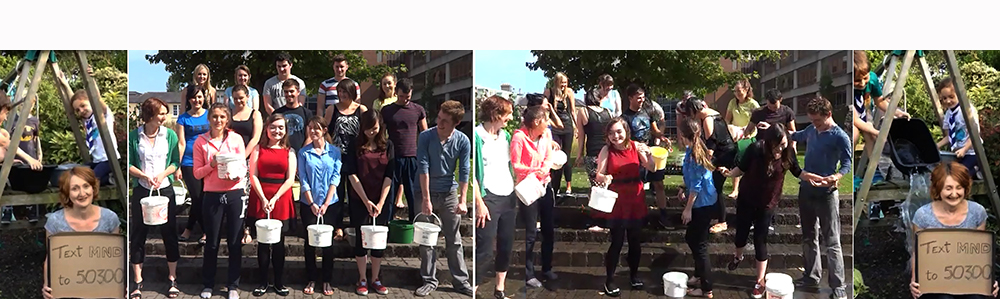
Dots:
{"x": 87, "y": 265}
{"x": 955, "y": 261}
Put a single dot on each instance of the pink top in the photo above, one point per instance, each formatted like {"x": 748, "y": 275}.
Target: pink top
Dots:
{"x": 530, "y": 157}
{"x": 204, "y": 150}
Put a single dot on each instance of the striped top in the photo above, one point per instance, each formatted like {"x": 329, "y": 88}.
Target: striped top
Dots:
{"x": 329, "y": 89}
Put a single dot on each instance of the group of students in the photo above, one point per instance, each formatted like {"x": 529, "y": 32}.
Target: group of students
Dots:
{"x": 348, "y": 159}
{"x": 615, "y": 146}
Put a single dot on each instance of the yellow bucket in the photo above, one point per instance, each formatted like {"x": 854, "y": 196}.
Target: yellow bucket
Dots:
{"x": 659, "y": 156}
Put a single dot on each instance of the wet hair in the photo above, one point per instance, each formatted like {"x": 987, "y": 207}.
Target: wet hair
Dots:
{"x": 454, "y": 109}
{"x": 956, "y": 171}
{"x": 770, "y": 139}
{"x": 690, "y": 129}
{"x": 192, "y": 92}
{"x": 861, "y": 64}
{"x": 347, "y": 89}
{"x": 404, "y": 85}
{"x": 283, "y": 143}
{"x": 946, "y": 82}
{"x": 150, "y": 108}
{"x": 625, "y": 126}
{"x": 591, "y": 98}
{"x": 84, "y": 173}
{"x": 532, "y": 114}
{"x": 819, "y": 106}
{"x": 378, "y": 144}
{"x": 690, "y": 106}
{"x": 494, "y": 107}
{"x": 773, "y": 95}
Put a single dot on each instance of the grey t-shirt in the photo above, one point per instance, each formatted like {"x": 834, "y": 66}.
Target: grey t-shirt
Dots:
{"x": 924, "y": 218}
{"x": 272, "y": 88}
{"x": 57, "y": 222}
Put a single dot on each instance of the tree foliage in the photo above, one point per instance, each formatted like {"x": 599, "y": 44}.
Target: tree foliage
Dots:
{"x": 311, "y": 66}
{"x": 661, "y": 72}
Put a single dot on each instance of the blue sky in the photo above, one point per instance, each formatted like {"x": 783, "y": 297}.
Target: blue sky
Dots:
{"x": 145, "y": 77}
{"x": 509, "y": 66}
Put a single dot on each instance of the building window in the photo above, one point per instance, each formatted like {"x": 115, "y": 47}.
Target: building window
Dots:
{"x": 419, "y": 58}
{"x": 840, "y": 99}
{"x": 436, "y": 54}
{"x": 419, "y": 81}
{"x": 176, "y": 109}
{"x": 807, "y": 75}
{"x": 460, "y": 68}
{"x": 438, "y": 75}
{"x": 801, "y": 104}
{"x": 836, "y": 64}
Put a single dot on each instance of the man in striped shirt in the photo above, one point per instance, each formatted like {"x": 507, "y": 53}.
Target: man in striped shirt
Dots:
{"x": 327, "y": 95}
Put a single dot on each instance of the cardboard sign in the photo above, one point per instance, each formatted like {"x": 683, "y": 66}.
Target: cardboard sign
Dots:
{"x": 87, "y": 265}
{"x": 954, "y": 261}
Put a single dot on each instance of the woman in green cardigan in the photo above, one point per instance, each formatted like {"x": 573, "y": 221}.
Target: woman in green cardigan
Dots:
{"x": 153, "y": 158}
{"x": 496, "y": 204}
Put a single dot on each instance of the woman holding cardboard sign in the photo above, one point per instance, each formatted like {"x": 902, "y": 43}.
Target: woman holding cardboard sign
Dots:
{"x": 618, "y": 166}
{"x": 530, "y": 154}
{"x": 153, "y": 157}
{"x": 950, "y": 208}
{"x": 224, "y": 195}
{"x": 78, "y": 189}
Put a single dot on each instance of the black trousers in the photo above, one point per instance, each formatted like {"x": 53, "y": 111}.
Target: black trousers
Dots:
{"x": 618, "y": 235}
{"x": 498, "y": 234}
{"x": 759, "y": 217}
{"x": 542, "y": 210}
{"x": 273, "y": 254}
{"x": 230, "y": 204}
{"x": 194, "y": 190}
{"x": 565, "y": 142}
{"x": 138, "y": 231}
{"x": 308, "y": 218}
{"x": 697, "y": 239}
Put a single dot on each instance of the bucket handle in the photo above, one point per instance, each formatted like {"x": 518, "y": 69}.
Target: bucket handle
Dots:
{"x": 319, "y": 220}
{"x": 438, "y": 222}
{"x": 373, "y": 223}
{"x": 151, "y": 192}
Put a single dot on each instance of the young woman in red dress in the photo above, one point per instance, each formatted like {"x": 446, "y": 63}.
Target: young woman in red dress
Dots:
{"x": 272, "y": 170}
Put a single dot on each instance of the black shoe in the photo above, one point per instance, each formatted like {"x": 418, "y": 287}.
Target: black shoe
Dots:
{"x": 465, "y": 290}
{"x": 551, "y": 275}
{"x": 663, "y": 218}
{"x": 7, "y": 217}
{"x": 499, "y": 295}
{"x": 33, "y": 214}
{"x": 636, "y": 283}
{"x": 282, "y": 290}
{"x": 612, "y": 290}
{"x": 259, "y": 291}
{"x": 806, "y": 282}
{"x": 734, "y": 264}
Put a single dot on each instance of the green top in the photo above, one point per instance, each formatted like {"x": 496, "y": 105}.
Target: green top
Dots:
{"x": 477, "y": 167}
{"x": 173, "y": 156}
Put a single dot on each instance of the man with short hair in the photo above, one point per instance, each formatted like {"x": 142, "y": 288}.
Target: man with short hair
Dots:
{"x": 440, "y": 151}
{"x": 296, "y": 116}
{"x": 274, "y": 96}
{"x": 645, "y": 120}
{"x": 772, "y": 113}
{"x": 327, "y": 95}
{"x": 826, "y": 145}
{"x": 403, "y": 121}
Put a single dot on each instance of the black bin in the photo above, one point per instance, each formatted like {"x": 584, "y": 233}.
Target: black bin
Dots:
{"x": 22, "y": 178}
{"x": 924, "y": 151}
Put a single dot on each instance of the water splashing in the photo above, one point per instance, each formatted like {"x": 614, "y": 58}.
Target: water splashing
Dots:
{"x": 918, "y": 196}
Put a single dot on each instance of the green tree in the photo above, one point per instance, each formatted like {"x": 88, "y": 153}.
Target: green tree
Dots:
{"x": 662, "y": 72}
{"x": 311, "y": 66}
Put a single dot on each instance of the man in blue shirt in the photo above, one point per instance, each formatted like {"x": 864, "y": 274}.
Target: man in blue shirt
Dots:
{"x": 826, "y": 145}
{"x": 440, "y": 150}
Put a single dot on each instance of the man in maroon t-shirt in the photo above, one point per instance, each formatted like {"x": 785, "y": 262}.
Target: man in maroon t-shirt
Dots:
{"x": 772, "y": 113}
{"x": 403, "y": 121}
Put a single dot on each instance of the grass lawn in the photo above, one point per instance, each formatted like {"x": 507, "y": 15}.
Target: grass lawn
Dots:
{"x": 791, "y": 186}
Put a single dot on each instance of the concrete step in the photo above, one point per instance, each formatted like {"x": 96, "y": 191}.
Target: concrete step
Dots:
{"x": 295, "y": 246}
{"x": 158, "y": 290}
{"x": 465, "y": 227}
{"x": 782, "y": 234}
{"x": 787, "y": 201}
{"x": 668, "y": 255}
{"x": 579, "y": 217}
{"x": 395, "y": 271}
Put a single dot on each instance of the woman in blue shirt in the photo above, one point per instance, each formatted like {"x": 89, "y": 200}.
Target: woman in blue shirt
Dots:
{"x": 190, "y": 125}
{"x": 319, "y": 175}
{"x": 700, "y": 195}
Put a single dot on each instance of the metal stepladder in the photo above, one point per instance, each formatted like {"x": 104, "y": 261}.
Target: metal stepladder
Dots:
{"x": 23, "y": 102}
{"x": 896, "y": 85}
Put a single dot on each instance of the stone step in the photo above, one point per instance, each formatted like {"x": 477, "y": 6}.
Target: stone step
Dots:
{"x": 787, "y": 201}
{"x": 782, "y": 234}
{"x": 668, "y": 255}
{"x": 465, "y": 226}
{"x": 295, "y": 246}
{"x": 395, "y": 271}
{"x": 579, "y": 217}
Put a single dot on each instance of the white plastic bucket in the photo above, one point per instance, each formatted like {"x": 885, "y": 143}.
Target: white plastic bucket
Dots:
{"x": 230, "y": 165}
{"x": 180, "y": 193}
{"x": 320, "y": 235}
{"x": 154, "y": 208}
{"x": 779, "y": 286}
{"x": 426, "y": 233}
{"x": 529, "y": 189}
{"x": 675, "y": 284}
{"x": 602, "y": 199}
{"x": 374, "y": 236}
{"x": 558, "y": 159}
{"x": 268, "y": 230}
{"x": 351, "y": 234}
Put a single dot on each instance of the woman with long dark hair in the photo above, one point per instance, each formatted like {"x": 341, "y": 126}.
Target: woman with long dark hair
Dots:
{"x": 190, "y": 125}
{"x": 719, "y": 142}
{"x": 591, "y": 123}
{"x": 699, "y": 196}
{"x": 370, "y": 169}
{"x": 319, "y": 173}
